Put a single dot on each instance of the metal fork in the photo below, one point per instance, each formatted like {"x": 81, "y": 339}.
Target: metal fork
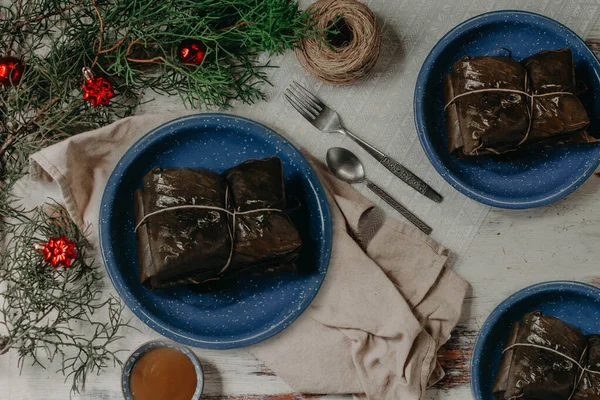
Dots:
{"x": 327, "y": 120}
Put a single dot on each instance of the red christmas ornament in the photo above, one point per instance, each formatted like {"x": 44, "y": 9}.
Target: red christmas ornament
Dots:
{"x": 96, "y": 90}
{"x": 11, "y": 70}
{"x": 58, "y": 251}
{"x": 191, "y": 51}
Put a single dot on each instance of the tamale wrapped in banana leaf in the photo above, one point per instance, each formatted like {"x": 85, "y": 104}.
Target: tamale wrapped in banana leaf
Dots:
{"x": 265, "y": 239}
{"x": 537, "y": 363}
{"x": 495, "y": 104}
{"x": 555, "y": 115}
{"x": 207, "y": 226}
{"x": 487, "y": 122}
{"x": 182, "y": 244}
{"x": 588, "y": 384}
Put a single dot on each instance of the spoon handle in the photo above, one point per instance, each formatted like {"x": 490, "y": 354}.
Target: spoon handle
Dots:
{"x": 397, "y": 169}
{"x": 399, "y": 207}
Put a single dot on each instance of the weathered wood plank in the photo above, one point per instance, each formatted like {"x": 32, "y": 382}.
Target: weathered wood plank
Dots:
{"x": 506, "y": 256}
{"x": 515, "y": 249}
{"x": 594, "y": 44}
{"x": 286, "y": 396}
{"x": 455, "y": 356}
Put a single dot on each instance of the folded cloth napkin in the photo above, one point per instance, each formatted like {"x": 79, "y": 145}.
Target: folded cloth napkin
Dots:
{"x": 386, "y": 306}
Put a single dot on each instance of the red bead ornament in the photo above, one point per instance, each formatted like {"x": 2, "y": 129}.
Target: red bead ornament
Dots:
{"x": 191, "y": 51}
{"x": 96, "y": 90}
{"x": 11, "y": 70}
{"x": 58, "y": 251}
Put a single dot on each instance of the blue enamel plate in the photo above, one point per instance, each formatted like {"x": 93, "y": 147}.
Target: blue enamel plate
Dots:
{"x": 249, "y": 310}
{"x": 575, "y": 303}
{"x": 533, "y": 179}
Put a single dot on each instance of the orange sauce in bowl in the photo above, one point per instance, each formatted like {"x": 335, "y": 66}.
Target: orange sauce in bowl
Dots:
{"x": 164, "y": 373}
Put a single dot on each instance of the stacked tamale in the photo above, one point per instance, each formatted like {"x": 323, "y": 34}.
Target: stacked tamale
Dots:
{"x": 196, "y": 225}
{"x": 496, "y": 105}
{"x": 548, "y": 359}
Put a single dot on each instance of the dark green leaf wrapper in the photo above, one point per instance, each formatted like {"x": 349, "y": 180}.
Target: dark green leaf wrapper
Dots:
{"x": 497, "y": 122}
{"x": 589, "y": 385}
{"x": 489, "y": 120}
{"x": 267, "y": 239}
{"x": 191, "y": 246}
{"x": 532, "y": 373}
{"x": 182, "y": 245}
{"x": 557, "y": 115}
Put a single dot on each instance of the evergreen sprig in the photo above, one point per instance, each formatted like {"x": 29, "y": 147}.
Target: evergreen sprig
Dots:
{"x": 44, "y": 310}
{"x": 133, "y": 44}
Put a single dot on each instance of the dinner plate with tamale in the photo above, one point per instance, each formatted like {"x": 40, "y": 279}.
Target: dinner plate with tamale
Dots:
{"x": 215, "y": 231}
{"x": 507, "y": 109}
{"x": 543, "y": 342}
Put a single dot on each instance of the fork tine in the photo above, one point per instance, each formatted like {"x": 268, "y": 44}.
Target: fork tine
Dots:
{"x": 310, "y": 95}
{"x": 299, "y": 108}
{"x": 305, "y": 99}
{"x": 308, "y": 105}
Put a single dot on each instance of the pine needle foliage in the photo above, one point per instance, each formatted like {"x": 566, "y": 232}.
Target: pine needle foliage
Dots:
{"x": 132, "y": 44}
{"x": 44, "y": 310}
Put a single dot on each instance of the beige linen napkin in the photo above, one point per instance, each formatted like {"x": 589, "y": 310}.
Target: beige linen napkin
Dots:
{"x": 387, "y": 304}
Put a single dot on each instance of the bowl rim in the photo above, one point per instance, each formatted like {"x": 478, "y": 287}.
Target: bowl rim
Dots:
{"x": 418, "y": 101}
{"x": 133, "y": 152}
{"x": 136, "y": 354}
{"x": 508, "y": 303}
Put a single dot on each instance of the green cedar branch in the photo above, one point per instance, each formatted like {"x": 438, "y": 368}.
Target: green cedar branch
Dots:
{"x": 133, "y": 44}
{"x": 44, "y": 311}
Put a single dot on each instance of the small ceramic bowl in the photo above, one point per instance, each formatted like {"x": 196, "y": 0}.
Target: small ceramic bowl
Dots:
{"x": 155, "y": 344}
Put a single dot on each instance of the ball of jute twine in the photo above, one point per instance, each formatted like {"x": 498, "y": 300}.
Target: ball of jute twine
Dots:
{"x": 345, "y": 64}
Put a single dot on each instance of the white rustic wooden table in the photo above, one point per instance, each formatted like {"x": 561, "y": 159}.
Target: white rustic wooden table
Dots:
{"x": 511, "y": 250}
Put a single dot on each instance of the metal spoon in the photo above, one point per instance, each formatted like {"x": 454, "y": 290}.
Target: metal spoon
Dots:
{"x": 348, "y": 168}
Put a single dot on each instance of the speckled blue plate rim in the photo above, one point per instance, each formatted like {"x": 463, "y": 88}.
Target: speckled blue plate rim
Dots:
{"x": 161, "y": 326}
{"x": 423, "y": 77}
{"x": 156, "y": 344}
{"x": 502, "y": 308}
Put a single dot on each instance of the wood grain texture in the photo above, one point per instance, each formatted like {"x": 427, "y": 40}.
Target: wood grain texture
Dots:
{"x": 560, "y": 241}
{"x": 454, "y": 357}
{"x": 286, "y": 396}
{"x": 513, "y": 249}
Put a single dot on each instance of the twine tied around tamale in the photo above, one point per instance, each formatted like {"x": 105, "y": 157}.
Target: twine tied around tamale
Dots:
{"x": 230, "y": 230}
{"x": 577, "y": 363}
{"x": 349, "y": 61}
{"x": 532, "y": 96}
